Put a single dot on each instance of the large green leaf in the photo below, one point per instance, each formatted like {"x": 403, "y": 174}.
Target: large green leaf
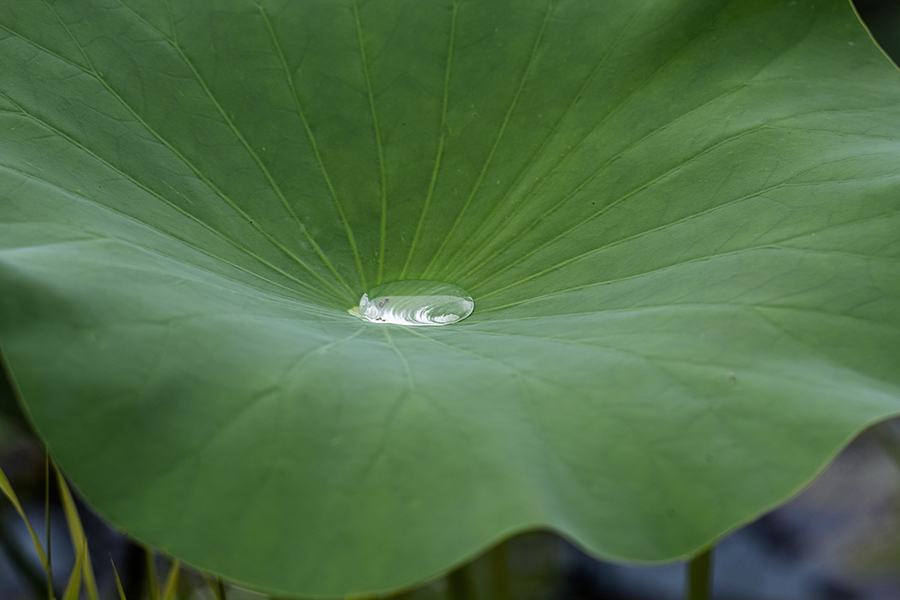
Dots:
{"x": 678, "y": 218}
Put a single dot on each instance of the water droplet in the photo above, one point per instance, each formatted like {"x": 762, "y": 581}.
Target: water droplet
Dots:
{"x": 416, "y": 303}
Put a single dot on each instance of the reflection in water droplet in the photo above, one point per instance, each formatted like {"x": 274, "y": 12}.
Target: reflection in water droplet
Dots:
{"x": 416, "y": 303}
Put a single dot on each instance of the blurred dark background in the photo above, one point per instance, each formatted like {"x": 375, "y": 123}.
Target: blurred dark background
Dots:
{"x": 838, "y": 540}
{"x": 882, "y": 17}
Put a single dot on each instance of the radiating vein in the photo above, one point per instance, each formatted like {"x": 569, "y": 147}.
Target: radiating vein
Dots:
{"x": 175, "y": 238}
{"x": 577, "y": 146}
{"x": 662, "y": 269}
{"x": 270, "y": 180}
{"x": 490, "y": 156}
{"x": 70, "y": 34}
{"x": 603, "y": 209}
{"x": 578, "y": 95}
{"x": 171, "y": 16}
{"x": 307, "y": 355}
{"x": 409, "y": 375}
{"x": 406, "y": 393}
{"x": 440, "y": 150}
{"x": 785, "y": 183}
{"x": 365, "y": 64}
{"x": 530, "y": 375}
{"x": 169, "y": 203}
{"x": 775, "y": 245}
{"x": 315, "y": 147}
{"x": 262, "y": 167}
{"x": 678, "y": 306}
{"x": 584, "y": 183}
{"x": 218, "y": 233}
{"x": 92, "y": 72}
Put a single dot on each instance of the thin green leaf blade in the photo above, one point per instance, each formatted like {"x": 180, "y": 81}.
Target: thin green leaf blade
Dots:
{"x": 73, "y": 587}
{"x": 216, "y": 586}
{"x": 76, "y": 530}
{"x": 171, "y": 588}
{"x": 10, "y": 494}
{"x": 153, "y": 591}
{"x": 119, "y": 587}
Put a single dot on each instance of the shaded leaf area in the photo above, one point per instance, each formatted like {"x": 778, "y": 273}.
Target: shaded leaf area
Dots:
{"x": 677, "y": 219}
{"x": 8, "y": 408}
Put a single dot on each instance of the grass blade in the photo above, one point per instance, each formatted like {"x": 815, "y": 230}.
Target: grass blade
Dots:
{"x": 77, "y": 532}
{"x": 7, "y": 490}
{"x": 217, "y": 586}
{"x": 152, "y": 581}
{"x": 73, "y": 589}
{"x": 22, "y": 563}
{"x": 118, "y": 580}
{"x": 172, "y": 581}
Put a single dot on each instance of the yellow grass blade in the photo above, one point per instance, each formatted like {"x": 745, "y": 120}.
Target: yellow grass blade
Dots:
{"x": 172, "y": 581}
{"x": 77, "y": 532}
{"x": 118, "y": 581}
{"x": 73, "y": 589}
{"x": 152, "y": 581}
{"x": 217, "y": 586}
{"x": 7, "y": 490}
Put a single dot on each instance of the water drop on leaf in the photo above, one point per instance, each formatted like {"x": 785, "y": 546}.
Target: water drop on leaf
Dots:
{"x": 416, "y": 303}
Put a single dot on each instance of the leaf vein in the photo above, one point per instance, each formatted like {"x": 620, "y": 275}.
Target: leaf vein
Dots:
{"x": 500, "y": 133}
{"x": 440, "y": 150}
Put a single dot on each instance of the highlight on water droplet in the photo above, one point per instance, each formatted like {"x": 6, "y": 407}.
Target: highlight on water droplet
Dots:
{"x": 416, "y": 303}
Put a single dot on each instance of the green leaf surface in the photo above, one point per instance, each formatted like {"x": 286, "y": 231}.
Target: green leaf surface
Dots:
{"x": 678, "y": 220}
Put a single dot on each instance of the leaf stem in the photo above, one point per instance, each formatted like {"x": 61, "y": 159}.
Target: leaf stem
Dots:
{"x": 459, "y": 584}
{"x": 501, "y": 582}
{"x": 699, "y": 576}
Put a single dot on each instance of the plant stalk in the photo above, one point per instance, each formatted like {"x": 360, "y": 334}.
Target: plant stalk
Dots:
{"x": 501, "y": 582}
{"x": 699, "y": 576}
{"x": 459, "y": 584}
